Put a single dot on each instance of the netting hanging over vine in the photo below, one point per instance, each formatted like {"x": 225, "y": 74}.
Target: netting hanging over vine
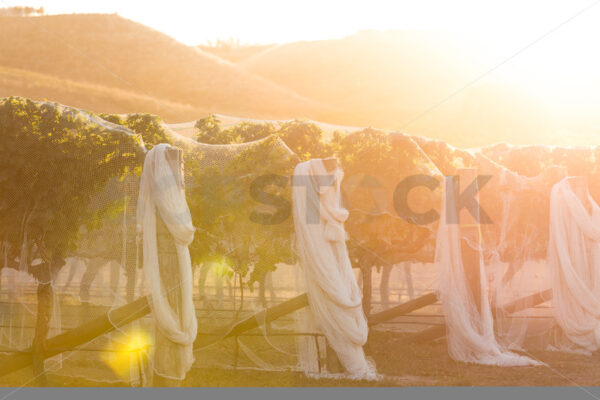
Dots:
{"x": 70, "y": 249}
{"x": 239, "y": 196}
{"x": 66, "y": 178}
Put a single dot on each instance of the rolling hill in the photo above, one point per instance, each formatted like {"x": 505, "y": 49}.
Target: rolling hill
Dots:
{"x": 113, "y": 52}
{"x": 235, "y": 52}
{"x": 399, "y": 79}
{"x": 394, "y": 80}
{"x": 15, "y": 82}
{"x": 405, "y": 70}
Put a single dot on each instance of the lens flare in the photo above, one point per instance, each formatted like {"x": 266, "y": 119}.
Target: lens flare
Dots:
{"x": 222, "y": 267}
{"x": 127, "y": 353}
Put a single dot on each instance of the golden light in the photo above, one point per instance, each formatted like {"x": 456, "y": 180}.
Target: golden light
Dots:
{"x": 127, "y": 352}
{"x": 530, "y": 66}
{"x": 221, "y": 265}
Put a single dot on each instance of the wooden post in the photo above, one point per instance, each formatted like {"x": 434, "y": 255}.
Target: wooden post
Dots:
{"x": 527, "y": 302}
{"x": 236, "y": 352}
{"x": 470, "y": 233}
{"x": 403, "y": 309}
{"x": 384, "y": 285}
{"x": 131, "y": 275}
{"x": 84, "y": 333}
{"x": 316, "y": 339}
{"x": 42, "y": 325}
{"x": 367, "y": 289}
{"x": 471, "y": 263}
{"x": 332, "y": 361}
{"x": 408, "y": 279}
{"x": 254, "y": 321}
{"x": 262, "y": 292}
{"x": 511, "y": 308}
{"x": 128, "y": 313}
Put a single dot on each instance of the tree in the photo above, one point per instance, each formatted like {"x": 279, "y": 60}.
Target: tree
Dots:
{"x": 149, "y": 126}
{"x": 303, "y": 138}
{"x": 53, "y": 161}
{"x": 374, "y": 163}
{"x": 20, "y": 11}
{"x": 234, "y": 227}
{"x": 210, "y": 131}
{"x": 381, "y": 231}
{"x": 223, "y": 195}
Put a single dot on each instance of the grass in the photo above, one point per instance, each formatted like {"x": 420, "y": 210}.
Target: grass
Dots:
{"x": 400, "y": 364}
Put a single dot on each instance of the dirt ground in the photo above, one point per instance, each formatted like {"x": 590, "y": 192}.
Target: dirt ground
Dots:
{"x": 399, "y": 363}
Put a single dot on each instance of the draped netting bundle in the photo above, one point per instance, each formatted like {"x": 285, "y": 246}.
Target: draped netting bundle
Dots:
{"x": 325, "y": 271}
{"x": 238, "y": 230}
{"x": 495, "y": 282}
{"x": 161, "y": 205}
{"x": 546, "y": 296}
{"x": 513, "y": 272}
{"x": 470, "y": 327}
{"x": 574, "y": 258}
{"x": 155, "y": 255}
{"x": 240, "y": 262}
{"x": 123, "y": 292}
{"x": 242, "y": 253}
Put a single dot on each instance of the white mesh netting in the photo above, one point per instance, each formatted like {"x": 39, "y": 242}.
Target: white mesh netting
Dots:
{"x": 525, "y": 279}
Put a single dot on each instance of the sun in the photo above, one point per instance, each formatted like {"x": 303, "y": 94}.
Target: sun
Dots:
{"x": 127, "y": 352}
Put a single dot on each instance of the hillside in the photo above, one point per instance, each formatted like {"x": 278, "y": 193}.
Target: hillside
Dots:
{"x": 15, "y": 82}
{"x": 236, "y": 53}
{"x": 394, "y": 80}
{"x": 406, "y": 70}
{"x": 390, "y": 79}
{"x": 110, "y": 51}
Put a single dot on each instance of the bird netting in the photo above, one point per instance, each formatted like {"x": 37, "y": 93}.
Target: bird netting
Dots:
{"x": 538, "y": 302}
{"x": 73, "y": 256}
{"x": 573, "y": 256}
{"x": 513, "y": 242}
{"x": 65, "y": 178}
{"x": 239, "y": 196}
{"x": 325, "y": 274}
{"x": 242, "y": 254}
{"x": 462, "y": 287}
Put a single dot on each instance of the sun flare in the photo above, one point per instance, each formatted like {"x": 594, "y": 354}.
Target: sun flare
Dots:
{"x": 126, "y": 352}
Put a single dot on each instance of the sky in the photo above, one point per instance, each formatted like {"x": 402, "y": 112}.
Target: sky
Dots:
{"x": 546, "y": 47}
{"x": 281, "y": 21}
